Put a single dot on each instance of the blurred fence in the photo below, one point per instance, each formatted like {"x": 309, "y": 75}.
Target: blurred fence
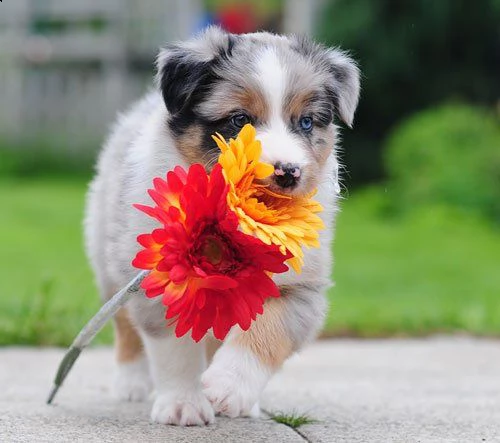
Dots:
{"x": 67, "y": 66}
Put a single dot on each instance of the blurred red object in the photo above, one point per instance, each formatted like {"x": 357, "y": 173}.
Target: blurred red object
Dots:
{"x": 238, "y": 19}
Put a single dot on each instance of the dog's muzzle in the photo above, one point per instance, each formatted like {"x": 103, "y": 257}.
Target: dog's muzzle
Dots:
{"x": 286, "y": 175}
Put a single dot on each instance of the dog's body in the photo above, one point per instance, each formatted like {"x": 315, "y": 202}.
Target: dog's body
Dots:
{"x": 290, "y": 90}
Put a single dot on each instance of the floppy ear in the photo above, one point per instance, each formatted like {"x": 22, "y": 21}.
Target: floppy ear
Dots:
{"x": 186, "y": 70}
{"x": 345, "y": 84}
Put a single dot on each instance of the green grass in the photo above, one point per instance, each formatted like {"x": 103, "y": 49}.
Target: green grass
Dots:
{"x": 46, "y": 291}
{"x": 293, "y": 419}
{"x": 433, "y": 270}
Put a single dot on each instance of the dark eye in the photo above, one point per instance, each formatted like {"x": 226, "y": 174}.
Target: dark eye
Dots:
{"x": 240, "y": 120}
{"x": 306, "y": 124}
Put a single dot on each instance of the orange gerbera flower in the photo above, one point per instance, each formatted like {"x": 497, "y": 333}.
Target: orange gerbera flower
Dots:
{"x": 288, "y": 222}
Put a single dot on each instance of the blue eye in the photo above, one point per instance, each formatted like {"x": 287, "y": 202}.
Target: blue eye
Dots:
{"x": 240, "y": 120}
{"x": 306, "y": 124}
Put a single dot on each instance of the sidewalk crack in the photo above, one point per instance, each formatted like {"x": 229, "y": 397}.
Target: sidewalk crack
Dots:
{"x": 296, "y": 430}
{"x": 301, "y": 434}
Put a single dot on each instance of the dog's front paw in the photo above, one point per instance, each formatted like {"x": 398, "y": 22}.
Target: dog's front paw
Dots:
{"x": 233, "y": 384}
{"x": 183, "y": 409}
{"x": 132, "y": 381}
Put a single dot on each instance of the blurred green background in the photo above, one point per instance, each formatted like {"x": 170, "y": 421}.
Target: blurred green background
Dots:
{"x": 417, "y": 247}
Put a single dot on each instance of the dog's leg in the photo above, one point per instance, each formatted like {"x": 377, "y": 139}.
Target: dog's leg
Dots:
{"x": 132, "y": 379}
{"x": 213, "y": 346}
{"x": 176, "y": 367}
{"x": 243, "y": 365}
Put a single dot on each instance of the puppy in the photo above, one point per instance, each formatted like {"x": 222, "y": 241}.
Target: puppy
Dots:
{"x": 291, "y": 90}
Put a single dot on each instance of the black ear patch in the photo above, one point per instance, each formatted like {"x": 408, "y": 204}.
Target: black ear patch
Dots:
{"x": 187, "y": 71}
{"x": 185, "y": 81}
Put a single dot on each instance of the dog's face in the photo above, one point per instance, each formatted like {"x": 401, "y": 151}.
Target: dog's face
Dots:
{"x": 290, "y": 89}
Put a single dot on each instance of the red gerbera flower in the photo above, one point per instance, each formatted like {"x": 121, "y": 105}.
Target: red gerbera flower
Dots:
{"x": 210, "y": 274}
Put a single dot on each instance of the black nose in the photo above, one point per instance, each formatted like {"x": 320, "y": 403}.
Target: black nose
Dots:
{"x": 286, "y": 175}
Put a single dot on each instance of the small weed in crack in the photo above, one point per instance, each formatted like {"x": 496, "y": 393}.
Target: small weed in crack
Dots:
{"x": 292, "y": 419}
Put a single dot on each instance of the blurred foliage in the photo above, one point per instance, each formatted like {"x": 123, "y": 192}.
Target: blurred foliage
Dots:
{"x": 263, "y": 6}
{"x": 46, "y": 156}
{"x": 412, "y": 55}
{"x": 447, "y": 155}
{"x": 49, "y": 25}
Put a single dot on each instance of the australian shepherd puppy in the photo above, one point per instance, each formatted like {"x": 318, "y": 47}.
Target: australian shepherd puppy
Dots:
{"x": 292, "y": 91}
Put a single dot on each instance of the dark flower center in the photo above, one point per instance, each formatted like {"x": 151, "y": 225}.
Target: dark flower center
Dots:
{"x": 213, "y": 250}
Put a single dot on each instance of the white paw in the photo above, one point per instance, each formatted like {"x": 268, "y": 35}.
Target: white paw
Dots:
{"x": 184, "y": 409}
{"x": 132, "y": 381}
{"x": 233, "y": 384}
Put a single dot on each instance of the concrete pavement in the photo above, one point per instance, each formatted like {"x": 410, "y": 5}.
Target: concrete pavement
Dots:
{"x": 426, "y": 390}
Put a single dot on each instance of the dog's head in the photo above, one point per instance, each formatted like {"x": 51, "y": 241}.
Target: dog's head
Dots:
{"x": 290, "y": 89}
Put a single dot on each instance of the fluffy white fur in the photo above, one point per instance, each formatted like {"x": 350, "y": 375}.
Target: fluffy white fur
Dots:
{"x": 142, "y": 145}
{"x": 176, "y": 365}
{"x": 234, "y": 382}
